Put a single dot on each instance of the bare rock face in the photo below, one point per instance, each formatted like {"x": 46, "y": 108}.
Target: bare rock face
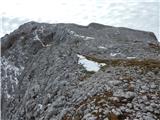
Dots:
{"x": 44, "y": 76}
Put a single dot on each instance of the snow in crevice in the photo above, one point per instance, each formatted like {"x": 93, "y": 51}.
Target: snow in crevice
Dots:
{"x": 102, "y": 47}
{"x": 36, "y": 37}
{"x": 9, "y": 75}
{"x": 40, "y": 106}
{"x": 131, "y": 57}
{"x": 89, "y": 65}
{"x": 8, "y": 95}
{"x": 6, "y": 91}
{"x": 11, "y": 72}
{"x": 80, "y": 36}
{"x": 114, "y": 54}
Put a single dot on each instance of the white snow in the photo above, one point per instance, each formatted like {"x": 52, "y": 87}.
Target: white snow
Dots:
{"x": 8, "y": 95}
{"x": 114, "y": 54}
{"x": 80, "y": 36}
{"x": 102, "y": 47}
{"x": 40, "y": 106}
{"x": 36, "y": 37}
{"x": 10, "y": 74}
{"x": 131, "y": 57}
{"x": 89, "y": 38}
{"x": 89, "y": 65}
{"x": 10, "y": 68}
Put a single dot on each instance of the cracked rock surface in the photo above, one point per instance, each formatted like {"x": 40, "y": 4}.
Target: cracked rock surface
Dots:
{"x": 42, "y": 78}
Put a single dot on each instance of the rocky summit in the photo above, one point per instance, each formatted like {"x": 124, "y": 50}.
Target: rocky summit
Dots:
{"x": 73, "y": 72}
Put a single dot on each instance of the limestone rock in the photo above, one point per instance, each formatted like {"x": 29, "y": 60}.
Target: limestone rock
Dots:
{"x": 43, "y": 80}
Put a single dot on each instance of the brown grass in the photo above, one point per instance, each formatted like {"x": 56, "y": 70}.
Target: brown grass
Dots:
{"x": 145, "y": 64}
{"x": 86, "y": 75}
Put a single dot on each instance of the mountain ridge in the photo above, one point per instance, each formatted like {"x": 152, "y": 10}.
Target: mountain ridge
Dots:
{"x": 43, "y": 80}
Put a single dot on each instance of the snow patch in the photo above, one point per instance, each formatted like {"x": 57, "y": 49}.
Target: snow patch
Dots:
{"x": 36, "y": 37}
{"x": 89, "y": 38}
{"x": 10, "y": 70}
{"x": 90, "y": 65}
{"x": 131, "y": 57}
{"x": 40, "y": 106}
{"x": 80, "y": 36}
{"x": 9, "y": 75}
{"x": 102, "y": 47}
{"x": 114, "y": 54}
{"x": 8, "y": 95}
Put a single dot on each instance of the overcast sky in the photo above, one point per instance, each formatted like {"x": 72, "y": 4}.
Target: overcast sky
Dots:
{"x": 136, "y": 14}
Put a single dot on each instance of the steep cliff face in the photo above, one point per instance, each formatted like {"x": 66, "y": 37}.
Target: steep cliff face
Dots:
{"x": 45, "y": 75}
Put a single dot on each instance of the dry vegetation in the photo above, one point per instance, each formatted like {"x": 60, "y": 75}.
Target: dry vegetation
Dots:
{"x": 145, "y": 64}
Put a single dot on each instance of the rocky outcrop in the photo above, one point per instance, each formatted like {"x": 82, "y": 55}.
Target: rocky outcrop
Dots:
{"x": 44, "y": 76}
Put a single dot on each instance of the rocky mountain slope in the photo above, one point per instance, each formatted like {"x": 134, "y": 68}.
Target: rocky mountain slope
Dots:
{"x": 45, "y": 75}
